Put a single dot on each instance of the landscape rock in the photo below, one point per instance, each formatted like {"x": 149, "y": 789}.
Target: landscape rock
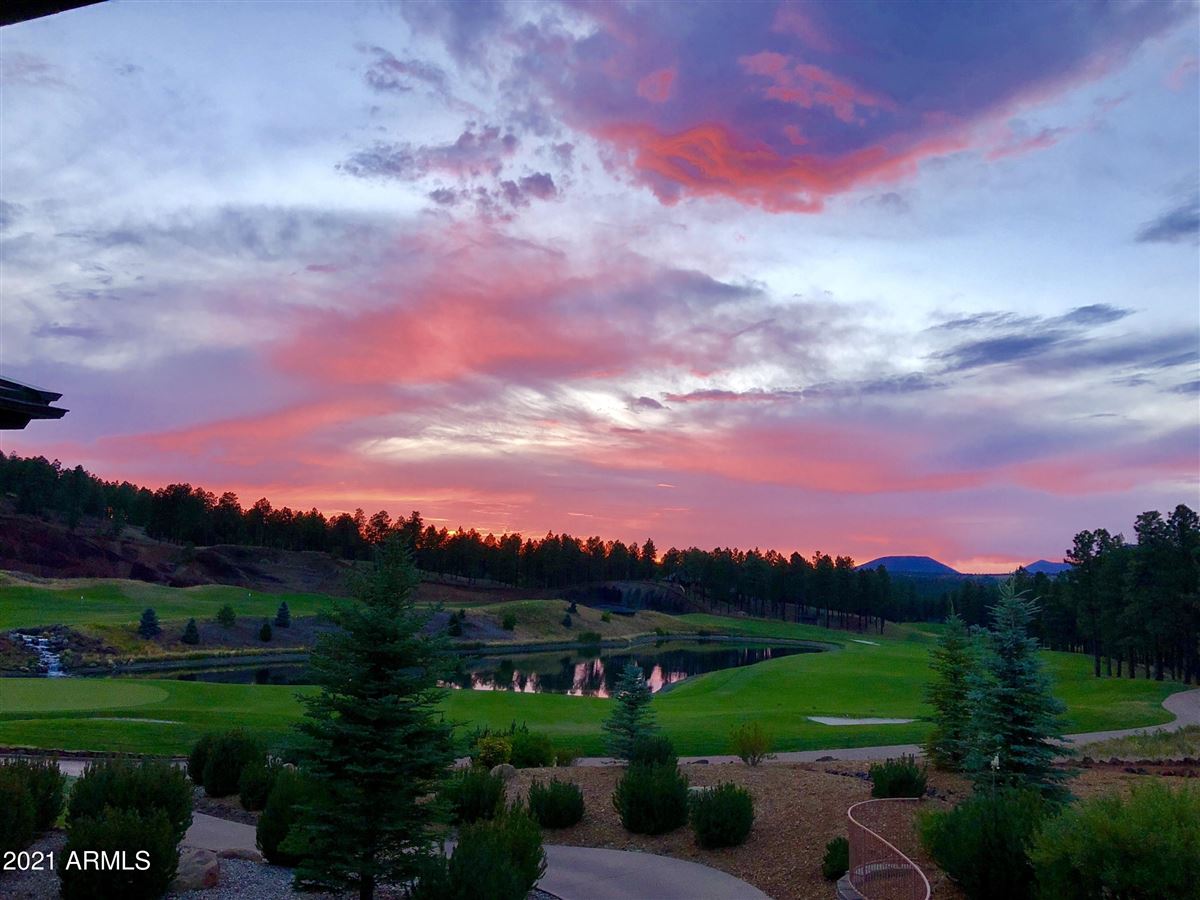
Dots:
{"x": 505, "y": 771}
{"x": 245, "y": 853}
{"x": 198, "y": 870}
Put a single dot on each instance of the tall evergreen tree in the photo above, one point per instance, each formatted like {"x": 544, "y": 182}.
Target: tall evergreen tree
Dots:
{"x": 631, "y": 717}
{"x": 373, "y": 740}
{"x": 283, "y": 616}
{"x": 953, "y": 661}
{"x": 1015, "y": 716}
{"x": 149, "y": 626}
{"x": 191, "y": 634}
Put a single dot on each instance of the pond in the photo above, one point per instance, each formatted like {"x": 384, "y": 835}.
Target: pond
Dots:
{"x": 579, "y": 672}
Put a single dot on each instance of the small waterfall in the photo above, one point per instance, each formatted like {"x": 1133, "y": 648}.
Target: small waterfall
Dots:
{"x": 48, "y": 657}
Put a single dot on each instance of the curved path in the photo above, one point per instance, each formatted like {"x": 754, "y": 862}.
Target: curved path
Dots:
{"x": 1184, "y": 705}
{"x": 572, "y": 873}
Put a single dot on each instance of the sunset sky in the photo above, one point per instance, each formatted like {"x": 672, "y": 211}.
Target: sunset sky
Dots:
{"x": 868, "y": 278}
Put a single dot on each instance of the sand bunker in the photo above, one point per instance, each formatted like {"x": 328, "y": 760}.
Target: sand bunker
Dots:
{"x": 838, "y": 720}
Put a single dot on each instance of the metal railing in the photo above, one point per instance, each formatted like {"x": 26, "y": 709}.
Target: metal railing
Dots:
{"x": 879, "y": 871}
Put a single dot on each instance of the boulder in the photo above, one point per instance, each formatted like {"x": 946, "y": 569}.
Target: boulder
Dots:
{"x": 246, "y": 853}
{"x": 198, "y": 870}
{"x": 505, "y": 771}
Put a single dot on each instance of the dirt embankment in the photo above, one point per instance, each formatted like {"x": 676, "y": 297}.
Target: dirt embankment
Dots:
{"x": 51, "y": 550}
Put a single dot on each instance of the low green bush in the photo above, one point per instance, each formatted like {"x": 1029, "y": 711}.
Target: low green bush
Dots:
{"x": 509, "y": 622}
{"x": 652, "y": 799}
{"x": 491, "y": 751}
{"x": 147, "y": 838}
{"x": 898, "y": 778}
{"x": 473, "y": 794}
{"x": 605, "y": 617}
{"x": 653, "y": 749}
{"x": 1143, "y": 846}
{"x": 254, "y": 785}
{"x": 138, "y": 785}
{"x": 16, "y": 814}
{"x": 531, "y": 750}
{"x": 751, "y": 743}
{"x": 289, "y": 792}
{"x": 45, "y": 784}
{"x": 497, "y": 860}
{"x": 983, "y": 843}
{"x": 836, "y": 862}
{"x": 589, "y": 637}
{"x": 565, "y": 755}
{"x": 228, "y": 754}
{"x": 722, "y": 816}
{"x": 558, "y": 804}
{"x": 198, "y": 757}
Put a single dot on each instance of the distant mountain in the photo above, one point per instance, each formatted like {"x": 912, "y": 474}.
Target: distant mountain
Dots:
{"x": 1050, "y": 568}
{"x": 910, "y": 565}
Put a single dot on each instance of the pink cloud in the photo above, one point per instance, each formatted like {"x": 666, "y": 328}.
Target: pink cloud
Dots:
{"x": 657, "y": 86}
{"x": 807, "y": 86}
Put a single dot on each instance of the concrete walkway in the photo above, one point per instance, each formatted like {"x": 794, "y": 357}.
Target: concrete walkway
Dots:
{"x": 1184, "y": 705}
{"x": 572, "y": 873}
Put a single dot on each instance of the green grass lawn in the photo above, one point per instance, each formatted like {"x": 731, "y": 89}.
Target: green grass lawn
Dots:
{"x": 113, "y": 601}
{"x": 883, "y": 680}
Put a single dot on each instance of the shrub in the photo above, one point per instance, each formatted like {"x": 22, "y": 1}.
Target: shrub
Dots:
{"x": 228, "y": 754}
{"x": 149, "y": 626}
{"x": 531, "y": 749}
{"x": 605, "y": 617}
{"x": 751, "y": 743}
{"x": 983, "y": 843}
{"x": 454, "y": 626}
{"x": 722, "y": 816}
{"x": 589, "y": 637}
{"x": 660, "y": 631}
{"x": 497, "y": 860}
{"x": 43, "y": 782}
{"x": 133, "y": 831}
{"x": 1147, "y": 845}
{"x": 898, "y": 778}
{"x": 191, "y": 634}
{"x": 198, "y": 757}
{"x": 565, "y": 756}
{"x": 837, "y": 859}
{"x": 283, "y": 616}
{"x": 558, "y": 804}
{"x": 509, "y": 622}
{"x": 264, "y": 633}
{"x": 256, "y": 781}
{"x": 652, "y": 799}
{"x": 653, "y": 749}
{"x": 473, "y": 794}
{"x": 289, "y": 792}
{"x": 16, "y": 814}
{"x": 226, "y": 616}
{"x": 566, "y": 620}
{"x": 492, "y": 751}
{"x": 141, "y": 786}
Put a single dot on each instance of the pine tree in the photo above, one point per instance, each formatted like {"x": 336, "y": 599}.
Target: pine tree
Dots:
{"x": 631, "y": 718}
{"x": 1016, "y": 717}
{"x": 226, "y": 616}
{"x": 149, "y": 626}
{"x": 264, "y": 633}
{"x": 373, "y": 739}
{"x": 952, "y": 661}
{"x": 283, "y": 617}
{"x": 191, "y": 634}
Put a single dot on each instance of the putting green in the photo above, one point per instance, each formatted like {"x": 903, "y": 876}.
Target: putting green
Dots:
{"x": 74, "y": 694}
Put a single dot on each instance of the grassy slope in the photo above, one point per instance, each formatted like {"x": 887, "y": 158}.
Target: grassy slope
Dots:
{"x": 858, "y": 679}
{"x": 112, "y": 601}
{"x": 541, "y": 620}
